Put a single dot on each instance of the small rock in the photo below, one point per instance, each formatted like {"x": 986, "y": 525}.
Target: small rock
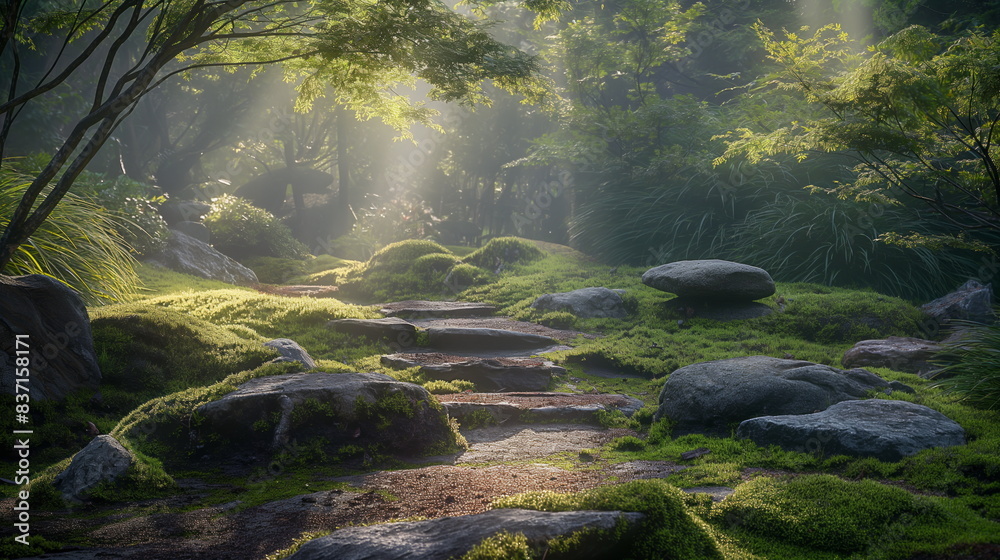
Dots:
{"x": 426, "y": 309}
{"x": 911, "y": 355}
{"x": 290, "y": 349}
{"x": 102, "y": 460}
{"x": 695, "y": 453}
{"x": 183, "y": 253}
{"x": 586, "y": 303}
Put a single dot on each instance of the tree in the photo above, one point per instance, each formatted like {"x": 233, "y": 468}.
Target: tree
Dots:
{"x": 918, "y": 113}
{"x": 362, "y": 48}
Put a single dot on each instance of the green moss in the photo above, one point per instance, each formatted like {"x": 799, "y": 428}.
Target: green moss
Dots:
{"x": 276, "y": 270}
{"x": 478, "y": 419}
{"x": 503, "y": 545}
{"x": 433, "y": 266}
{"x": 502, "y": 252}
{"x": 708, "y": 474}
{"x": 156, "y": 281}
{"x": 37, "y": 545}
{"x": 670, "y": 530}
{"x": 439, "y": 387}
{"x": 145, "y": 352}
{"x": 558, "y": 320}
{"x": 821, "y": 511}
{"x": 296, "y": 545}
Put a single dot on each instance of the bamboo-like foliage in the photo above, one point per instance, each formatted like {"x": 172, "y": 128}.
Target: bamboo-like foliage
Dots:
{"x": 973, "y": 366}
{"x": 79, "y": 244}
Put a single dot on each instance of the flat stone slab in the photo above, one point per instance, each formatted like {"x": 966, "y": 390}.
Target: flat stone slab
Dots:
{"x": 428, "y": 309}
{"x": 712, "y": 397}
{"x": 299, "y": 291}
{"x": 472, "y": 339}
{"x": 451, "y": 537}
{"x": 885, "y": 430}
{"x": 489, "y": 374}
{"x": 711, "y": 280}
{"x": 595, "y": 302}
{"x": 393, "y": 329}
{"x": 527, "y": 408}
{"x": 638, "y": 470}
{"x": 515, "y": 443}
{"x": 900, "y": 353}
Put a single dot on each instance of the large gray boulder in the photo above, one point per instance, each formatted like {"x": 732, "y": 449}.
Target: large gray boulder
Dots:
{"x": 586, "y": 303}
{"x": 885, "y": 430}
{"x": 911, "y": 355}
{"x": 290, "y": 350}
{"x": 267, "y": 413}
{"x": 973, "y": 301}
{"x": 472, "y": 339}
{"x": 52, "y": 322}
{"x": 713, "y": 397}
{"x": 102, "y": 460}
{"x": 711, "y": 280}
{"x": 451, "y": 537}
{"x": 183, "y": 253}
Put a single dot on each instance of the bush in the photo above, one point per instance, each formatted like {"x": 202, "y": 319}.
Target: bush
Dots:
{"x": 80, "y": 243}
{"x": 558, "y": 320}
{"x": 241, "y": 230}
{"x": 972, "y": 368}
{"x": 400, "y": 256}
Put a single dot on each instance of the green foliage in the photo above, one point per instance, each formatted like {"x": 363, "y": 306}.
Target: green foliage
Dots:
{"x": 241, "y": 230}
{"x": 903, "y": 109}
{"x": 440, "y": 387}
{"x": 670, "y": 529}
{"x": 972, "y": 369}
{"x": 140, "y": 222}
{"x": 38, "y": 545}
{"x": 80, "y": 243}
{"x": 628, "y": 443}
{"x": 709, "y": 474}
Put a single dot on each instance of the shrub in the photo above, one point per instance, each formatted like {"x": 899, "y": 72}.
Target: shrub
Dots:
{"x": 241, "y": 230}
{"x": 973, "y": 366}
{"x": 558, "y": 320}
{"x": 80, "y": 243}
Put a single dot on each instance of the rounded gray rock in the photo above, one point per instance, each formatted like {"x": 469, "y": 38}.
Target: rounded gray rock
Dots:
{"x": 711, "y": 279}
{"x": 713, "y": 397}
{"x": 885, "y": 430}
{"x": 103, "y": 459}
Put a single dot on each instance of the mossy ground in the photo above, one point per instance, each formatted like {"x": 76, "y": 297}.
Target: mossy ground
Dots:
{"x": 187, "y": 341}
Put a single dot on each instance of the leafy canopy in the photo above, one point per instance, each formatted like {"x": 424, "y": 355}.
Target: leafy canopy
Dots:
{"x": 917, "y": 111}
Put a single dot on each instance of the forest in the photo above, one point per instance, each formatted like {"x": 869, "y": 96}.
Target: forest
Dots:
{"x": 694, "y": 233}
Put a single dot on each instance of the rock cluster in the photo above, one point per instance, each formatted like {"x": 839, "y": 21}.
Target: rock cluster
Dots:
{"x": 586, "y": 303}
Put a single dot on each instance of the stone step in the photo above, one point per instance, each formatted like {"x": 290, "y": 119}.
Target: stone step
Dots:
{"x": 483, "y": 339}
{"x": 489, "y": 374}
{"x": 534, "y": 407}
{"x": 427, "y": 309}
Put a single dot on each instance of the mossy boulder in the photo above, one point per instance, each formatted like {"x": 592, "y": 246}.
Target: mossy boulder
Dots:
{"x": 370, "y": 410}
{"x": 501, "y": 252}
{"x": 146, "y": 351}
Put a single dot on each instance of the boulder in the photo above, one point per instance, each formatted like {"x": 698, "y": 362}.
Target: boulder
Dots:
{"x": 186, "y": 254}
{"x": 480, "y": 339}
{"x": 712, "y": 397}
{"x": 885, "y": 430}
{"x": 711, "y": 280}
{"x": 392, "y": 329}
{"x": 53, "y": 323}
{"x": 971, "y": 302}
{"x": 342, "y": 408}
{"x": 489, "y": 374}
{"x": 586, "y": 302}
{"x": 452, "y": 537}
{"x": 289, "y": 349}
{"x": 911, "y": 355}
{"x": 196, "y": 230}
{"x": 425, "y": 309}
{"x": 102, "y": 460}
